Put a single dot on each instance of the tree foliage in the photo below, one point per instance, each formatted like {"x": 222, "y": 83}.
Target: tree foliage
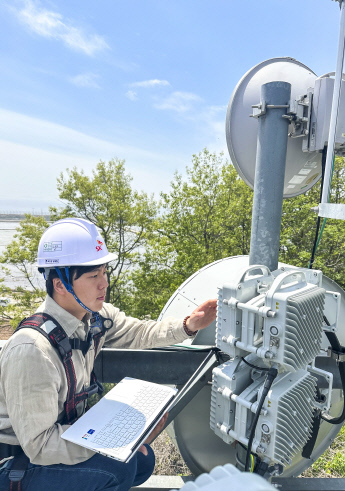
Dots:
{"x": 124, "y": 216}
{"x": 22, "y": 253}
{"x": 299, "y": 226}
{"x": 105, "y": 198}
{"x": 205, "y": 216}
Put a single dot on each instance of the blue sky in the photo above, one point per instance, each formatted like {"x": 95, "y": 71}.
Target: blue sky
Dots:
{"x": 147, "y": 81}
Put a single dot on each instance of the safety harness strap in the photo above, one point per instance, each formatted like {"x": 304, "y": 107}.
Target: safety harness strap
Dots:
{"x": 78, "y": 344}
{"x": 18, "y": 468}
{"x": 59, "y": 339}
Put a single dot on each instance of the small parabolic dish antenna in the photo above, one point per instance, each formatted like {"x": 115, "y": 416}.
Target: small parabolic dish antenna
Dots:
{"x": 303, "y": 169}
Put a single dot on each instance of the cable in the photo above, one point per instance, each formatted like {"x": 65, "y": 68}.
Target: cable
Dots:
{"x": 316, "y": 241}
{"x": 176, "y": 347}
{"x": 253, "y": 463}
{"x": 253, "y": 366}
{"x": 252, "y": 460}
{"x": 337, "y": 348}
{"x": 315, "y": 426}
{"x": 241, "y": 445}
{"x": 271, "y": 375}
{"x": 317, "y": 235}
{"x": 321, "y": 232}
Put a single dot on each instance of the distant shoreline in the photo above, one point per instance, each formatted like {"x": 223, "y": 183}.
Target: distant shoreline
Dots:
{"x": 14, "y": 217}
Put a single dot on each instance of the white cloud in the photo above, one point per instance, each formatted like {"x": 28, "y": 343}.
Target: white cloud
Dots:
{"x": 180, "y": 102}
{"x": 132, "y": 95}
{"x": 147, "y": 84}
{"x": 88, "y": 80}
{"x": 34, "y": 152}
{"x": 210, "y": 122}
{"x": 51, "y": 24}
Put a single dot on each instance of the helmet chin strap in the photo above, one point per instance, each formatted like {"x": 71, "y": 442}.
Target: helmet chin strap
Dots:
{"x": 69, "y": 288}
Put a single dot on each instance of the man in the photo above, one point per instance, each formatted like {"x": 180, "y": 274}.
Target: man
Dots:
{"x": 46, "y": 368}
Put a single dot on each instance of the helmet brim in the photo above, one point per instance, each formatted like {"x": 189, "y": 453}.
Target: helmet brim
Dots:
{"x": 96, "y": 262}
{"x": 102, "y": 260}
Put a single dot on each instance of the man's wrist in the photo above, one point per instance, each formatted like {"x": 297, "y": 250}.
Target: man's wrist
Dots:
{"x": 185, "y": 327}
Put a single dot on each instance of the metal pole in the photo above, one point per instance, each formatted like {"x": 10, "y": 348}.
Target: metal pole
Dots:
{"x": 335, "y": 108}
{"x": 269, "y": 175}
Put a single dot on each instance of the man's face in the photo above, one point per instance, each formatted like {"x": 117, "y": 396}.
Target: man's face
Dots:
{"x": 91, "y": 288}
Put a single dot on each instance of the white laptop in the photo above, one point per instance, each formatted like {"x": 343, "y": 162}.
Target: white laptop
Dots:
{"x": 123, "y": 419}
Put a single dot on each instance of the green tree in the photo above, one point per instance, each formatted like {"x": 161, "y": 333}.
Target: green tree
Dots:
{"x": 206, "y": 216}
{"x": 22, "y": 253}
{"x": 105, "y": 198}
{"x": 299, "y": 226}
{"x": 124, "y": 216}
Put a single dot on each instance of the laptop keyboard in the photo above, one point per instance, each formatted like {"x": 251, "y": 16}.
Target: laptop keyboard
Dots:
{"x": 127, "y": 423}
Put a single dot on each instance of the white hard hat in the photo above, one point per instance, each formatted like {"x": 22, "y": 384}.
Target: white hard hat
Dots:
{"x": 72, "y": 242}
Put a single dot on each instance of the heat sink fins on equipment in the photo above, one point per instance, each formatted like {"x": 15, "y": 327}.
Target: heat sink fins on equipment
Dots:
{"x": 219, "y": 333}
{"x": 303, "y": 328}
{"x": 213, "y": 408}
{"x": 294, "y": 419}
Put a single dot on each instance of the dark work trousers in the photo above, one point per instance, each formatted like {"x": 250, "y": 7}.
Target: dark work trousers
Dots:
{"x": 96, "y": 474}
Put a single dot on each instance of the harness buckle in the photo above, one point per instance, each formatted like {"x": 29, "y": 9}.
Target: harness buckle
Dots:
{"x": 100, "y": 387}
{"x": 16, "y": 475}
{"x": 64, "y": 348}
{"x": 93, "y": 389}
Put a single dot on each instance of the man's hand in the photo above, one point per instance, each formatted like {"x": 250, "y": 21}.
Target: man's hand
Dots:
{"x": 202, "y": 316}
{"x": 157, "y": 429}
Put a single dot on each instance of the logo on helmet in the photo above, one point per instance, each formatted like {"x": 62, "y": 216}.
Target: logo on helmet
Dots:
{"x": 99, "y": 246}
{"x": 52, "y": 246}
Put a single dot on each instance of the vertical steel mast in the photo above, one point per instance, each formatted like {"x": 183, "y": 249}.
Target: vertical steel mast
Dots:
{"x": 269, "y": 173}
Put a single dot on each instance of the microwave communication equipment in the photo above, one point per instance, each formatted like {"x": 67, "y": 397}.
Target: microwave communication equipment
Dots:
{"x": 265, "y": 319}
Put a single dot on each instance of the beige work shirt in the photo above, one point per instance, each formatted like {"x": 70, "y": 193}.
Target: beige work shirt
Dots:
{"x": 33, "y": 386}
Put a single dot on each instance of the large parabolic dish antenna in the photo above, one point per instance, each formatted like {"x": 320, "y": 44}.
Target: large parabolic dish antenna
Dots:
{"x": 303, "y": 169}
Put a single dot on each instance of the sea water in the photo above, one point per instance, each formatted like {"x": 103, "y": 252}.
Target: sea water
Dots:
{"x": 15, "y": 277}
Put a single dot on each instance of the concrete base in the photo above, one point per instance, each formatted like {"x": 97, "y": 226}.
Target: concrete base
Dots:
{"x": 163, "y": 483}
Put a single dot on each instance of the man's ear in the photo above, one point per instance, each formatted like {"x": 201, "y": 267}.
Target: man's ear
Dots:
{"x": 59, "y": 287}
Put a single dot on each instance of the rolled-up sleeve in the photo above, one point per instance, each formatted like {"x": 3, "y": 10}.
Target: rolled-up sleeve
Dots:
{"x": 31, "y": 385}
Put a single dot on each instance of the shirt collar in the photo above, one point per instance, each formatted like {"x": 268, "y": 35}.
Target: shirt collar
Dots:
{"x": 68, "y": 322}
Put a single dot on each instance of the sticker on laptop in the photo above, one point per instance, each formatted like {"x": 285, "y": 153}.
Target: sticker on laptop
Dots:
{"x": 89, "y": 433}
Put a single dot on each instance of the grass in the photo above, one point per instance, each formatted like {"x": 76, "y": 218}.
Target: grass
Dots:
{"x": 332, "y": 462}
{"x": 169, "y": 461}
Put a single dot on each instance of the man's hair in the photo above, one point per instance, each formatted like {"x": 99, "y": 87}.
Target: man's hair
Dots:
{"x": 75, "y": 272}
